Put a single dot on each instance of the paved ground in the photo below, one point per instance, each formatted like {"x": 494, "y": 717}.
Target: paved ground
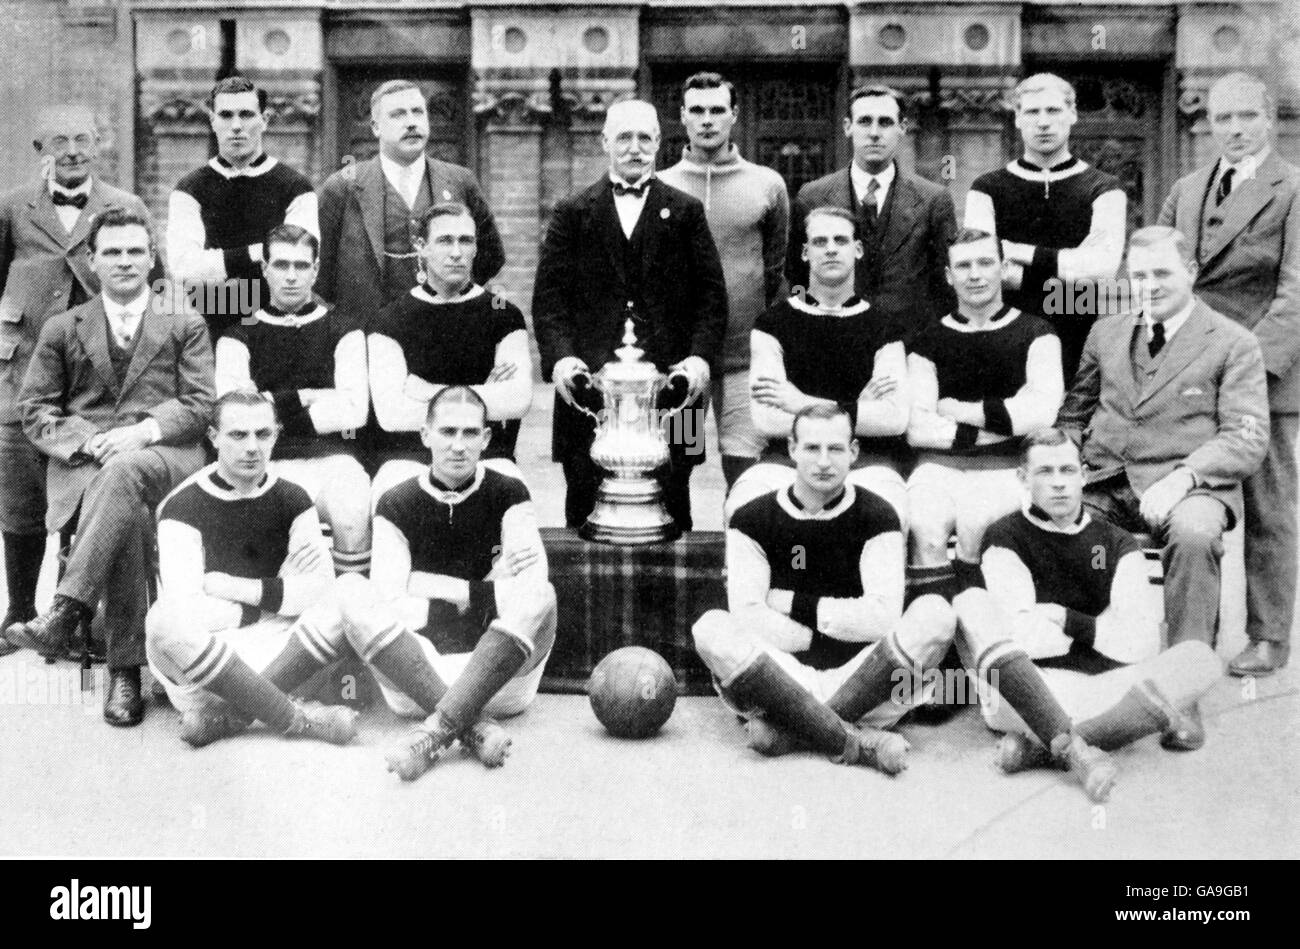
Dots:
{"x": 72, "y": 786}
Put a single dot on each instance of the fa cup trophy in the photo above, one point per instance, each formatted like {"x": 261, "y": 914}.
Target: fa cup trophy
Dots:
{"x": 630, "y": 444}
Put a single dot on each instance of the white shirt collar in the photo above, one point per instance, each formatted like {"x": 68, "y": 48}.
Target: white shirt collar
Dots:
{"x": 615, "y": 179}
{"x": 1174, "y": 323}
{"x": 1245, "y": 168}
{"x": 133, "y": 308}
{"x": 83, "y": 188}
{"x": 401, "y": 176}
{"x": 1027, "y": 509}
{"x": 861, "y": 178}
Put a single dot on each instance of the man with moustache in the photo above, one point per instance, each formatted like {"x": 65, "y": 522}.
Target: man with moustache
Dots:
{"x": 905, "y": 223}
{"x": 1244, "y": 210}
{"x": 371, "y": 210}
{"x": 44, "y": 270}
{"x": 628, "y": 246}
{"x": 218, "y": 216}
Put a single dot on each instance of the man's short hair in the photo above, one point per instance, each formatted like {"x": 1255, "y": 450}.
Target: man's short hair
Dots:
{"x": 1042, "y": 82}
{"x": 1155, "y": 234}
{"x": 455, "y": 395}
{"x": 388, "y": 88}
{"x": 232, "y": 85}
{"x": 709, "y": 80}
{"x": 117, "y": 217}
{"x": 445, "y": 209}
{"x": 292, "y": 235}
{"x": 830, "y": 210}
{"x": 1044, "y": 437}
{"x": 245, "y": 395}
{"x": 864, "y": 92}
{"x": 1245, "y": 80}
{"x": 970, "y": 235}
{"x": 820, "y": 410}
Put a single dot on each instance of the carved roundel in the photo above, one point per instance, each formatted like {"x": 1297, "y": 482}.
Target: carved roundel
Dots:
{"x": 892, "y": 36}
{"x": 276, "y": 42}
{"x": 178, "y": 42}
{"x": 976, "y": 36}
{"x": 515, "y": 40}
{"x": 595, "y": 39}
{"x": 1227, "y": 38}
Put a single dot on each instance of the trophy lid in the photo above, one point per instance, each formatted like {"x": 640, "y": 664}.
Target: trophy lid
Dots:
{"x": 630, "y": 366}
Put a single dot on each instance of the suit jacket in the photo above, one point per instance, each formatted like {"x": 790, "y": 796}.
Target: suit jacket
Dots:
{"x": 1250, "y": 271}
{"x": 1205, "y": 408}
{"x": 352, "y": 232}
{"x": 581, "y": 293}
{"x": 914, "y": 248}
{"x": 39, "y": 262}
{"x": 70, "y": 392}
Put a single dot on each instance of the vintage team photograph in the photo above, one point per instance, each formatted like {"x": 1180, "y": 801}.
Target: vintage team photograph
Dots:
{"x": 676, "y": 429}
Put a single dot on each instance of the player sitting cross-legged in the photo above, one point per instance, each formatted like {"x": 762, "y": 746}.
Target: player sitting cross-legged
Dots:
{"x": 244, "y": 616}
{"x": 815, "y": 649}
{"x": 458, "y": 618}
{"x": 1068, "y": 591}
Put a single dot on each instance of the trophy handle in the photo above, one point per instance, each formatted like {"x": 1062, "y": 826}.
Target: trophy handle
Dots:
{"x": 679, "y": 373}
{"x": 584, "y": 374}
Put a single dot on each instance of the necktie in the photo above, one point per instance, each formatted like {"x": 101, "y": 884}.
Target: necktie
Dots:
{"x": 869, "y": 202}
{"x": 77, "y": 201}
{"x": 1225, "y": 186}
{"x": 636, "y": 191}
{"x": 1157, "y": 342}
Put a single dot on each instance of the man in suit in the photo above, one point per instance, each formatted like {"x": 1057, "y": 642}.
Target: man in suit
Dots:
{"x": 370, "y": 210}
{"x": 218, "y": 215}
{"x": 117, "y": 395}
{"x": 905, "y": 222}
{"x": 628, "y": 246}
{"x": 1243, "y": 214}
{"x": 44, "y": 270}
{"x": 1170, "y": 409}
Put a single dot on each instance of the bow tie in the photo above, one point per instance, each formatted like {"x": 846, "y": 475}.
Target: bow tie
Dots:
{"x": 77, "y": 201}
{"x": 636, "y": 191}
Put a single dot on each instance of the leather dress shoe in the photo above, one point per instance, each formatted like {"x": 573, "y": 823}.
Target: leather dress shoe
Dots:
{"x": 1260, "y": 658}
{"x": 123, "y": 704}
{"x": 1185, "y": 733}
{"x": 51, "y": 632}
{"x": 13, "y": 615}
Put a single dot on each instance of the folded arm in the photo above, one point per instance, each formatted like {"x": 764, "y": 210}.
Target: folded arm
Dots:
{"x": 749, "y": 579}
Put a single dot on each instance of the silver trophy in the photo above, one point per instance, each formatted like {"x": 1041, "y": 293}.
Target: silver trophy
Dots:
{"x": 630, "y": 444}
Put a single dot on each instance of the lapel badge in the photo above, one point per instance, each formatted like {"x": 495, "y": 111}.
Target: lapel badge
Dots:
{"x": 663, "y": 213}
{"x": 446, "y": 195}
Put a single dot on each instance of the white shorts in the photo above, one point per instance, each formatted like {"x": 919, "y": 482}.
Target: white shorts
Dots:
{"x": 257, "y": 645}
{"x": 967, "y": 498}
{"x": 737, "y": 436}
{"x": 515, "y": 696}
{"x": 314, "y": 474}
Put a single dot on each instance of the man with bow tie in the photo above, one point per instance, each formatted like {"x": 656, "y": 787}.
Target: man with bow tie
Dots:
{"x": 1242, "y": 212}
{"x": 628, "y": 246}
{"x": 1170, "y": 410}
{"x": 117, "y": 396}
{"x": 44, "y": 270}
{"x": 218, "y": 216}
{"x": 1058, "y": 217}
